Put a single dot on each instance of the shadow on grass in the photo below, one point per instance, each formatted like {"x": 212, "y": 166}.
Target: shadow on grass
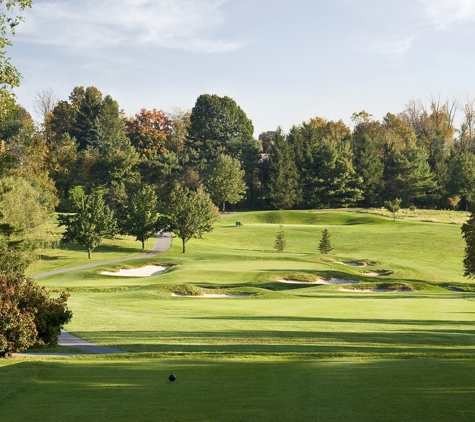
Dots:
{"x": 421, "y": 340}
{"x": 238, "y": 390}
{"x": 73, "y": 247}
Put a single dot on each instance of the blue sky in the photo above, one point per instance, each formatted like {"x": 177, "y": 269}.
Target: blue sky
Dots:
{"x": 283, "y": 62}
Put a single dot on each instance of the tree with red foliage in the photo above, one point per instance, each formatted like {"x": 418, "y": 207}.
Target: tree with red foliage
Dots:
{"x": 28, "y": 315}
{"x": 148, "y": 132}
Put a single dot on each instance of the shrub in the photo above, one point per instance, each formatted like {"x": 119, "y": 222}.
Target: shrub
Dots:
{"x": 28, "y": 315}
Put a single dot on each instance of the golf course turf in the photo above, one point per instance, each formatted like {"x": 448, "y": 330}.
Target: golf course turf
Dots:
{"x": 284, "y": 352}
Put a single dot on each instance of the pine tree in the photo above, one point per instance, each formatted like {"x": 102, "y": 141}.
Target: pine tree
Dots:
{"x": 284, "y": 190}
{"x": 325, "y": 245}
{"x": 369, "y": 166}
{"x": 468, "y": 233}
{"x": 279, "y": 244}
{"x": 393, "y": 206}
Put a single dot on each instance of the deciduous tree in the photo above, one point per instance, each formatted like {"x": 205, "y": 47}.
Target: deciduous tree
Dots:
{"x": 92, "y": 221}
{"x": 188, "y": 213}
{"x": 225, "y": 180}
{"x": 142, "y": 215}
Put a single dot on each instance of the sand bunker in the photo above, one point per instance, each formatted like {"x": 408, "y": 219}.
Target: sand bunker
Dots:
{"x": 320, "y": 281}
{"x": 210, "y": 295}
{"x": 375, "y": 290}
{"x": 376, "y": 273}
{"x": 352, "y": 264}
{"x": 147, "y": 271}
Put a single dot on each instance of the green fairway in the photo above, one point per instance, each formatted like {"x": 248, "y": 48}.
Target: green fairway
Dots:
{"x": 279, "y": 352}
{"x": 219, "y": 388}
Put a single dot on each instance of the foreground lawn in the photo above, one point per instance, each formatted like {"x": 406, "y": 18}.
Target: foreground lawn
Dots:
{"x": 234, "y": 388}
{"x": 281, "y": 351}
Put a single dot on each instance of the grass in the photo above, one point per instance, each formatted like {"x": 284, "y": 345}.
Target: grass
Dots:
{"x": 286, "y": 352}
{"x": 221, "y": 388}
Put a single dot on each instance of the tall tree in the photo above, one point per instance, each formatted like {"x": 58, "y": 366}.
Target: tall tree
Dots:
{"x": 9, "y": 20}
{"x": 468, "y": 233}
{"x": 142, "y": 215}
{"x": 337, "y": 184}
{"x": 87, "y": 104}
{"x": 217, "y": 125}
{"x": 225, "y": 180}
{"x": 92, "y": 221}
{"x": 284, "y": 190}
{"x": 149, "y": 131}
{"x": 369, "y": 166}
{"x": 188, "y": 213}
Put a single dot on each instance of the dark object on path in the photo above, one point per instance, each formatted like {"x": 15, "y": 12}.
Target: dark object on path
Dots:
{"x": 172, "y": 377}
{"x": 238, "y": 224}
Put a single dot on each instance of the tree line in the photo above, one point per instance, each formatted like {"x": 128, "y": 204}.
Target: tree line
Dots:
{"x": 86, "y": 141}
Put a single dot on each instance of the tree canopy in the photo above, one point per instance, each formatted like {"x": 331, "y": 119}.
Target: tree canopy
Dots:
{"x": 92, "y": 221}
{"x": 225, "y": 180}
{"x": 188, "y": 213}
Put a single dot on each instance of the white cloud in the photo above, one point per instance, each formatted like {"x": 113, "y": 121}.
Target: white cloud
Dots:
{"x": 445, "y": 13}
{"x": 94, "y": 24}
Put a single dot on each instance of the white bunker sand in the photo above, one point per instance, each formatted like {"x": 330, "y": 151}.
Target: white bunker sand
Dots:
{"x": 320, "y": 281}
{"x": 147, "y": 271}
{"x": 375, "y": 273}
{"x": 210, "y": 295}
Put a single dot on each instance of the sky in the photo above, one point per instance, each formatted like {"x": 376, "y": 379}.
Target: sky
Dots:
{"x": 283, "y": 62}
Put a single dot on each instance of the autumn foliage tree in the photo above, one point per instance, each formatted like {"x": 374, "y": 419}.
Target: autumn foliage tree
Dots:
{"x": 149, "y": 131}
{"x": 28, "y": 315}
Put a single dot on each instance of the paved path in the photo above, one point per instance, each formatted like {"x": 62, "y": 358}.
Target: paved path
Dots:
{"x": 162, "y": 244}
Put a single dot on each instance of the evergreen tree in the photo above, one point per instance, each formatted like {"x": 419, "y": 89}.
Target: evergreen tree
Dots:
{"x": 337, "y": 183}
{"x": 415, "y": 178}
{"x": 279, "y": 244}
{"x": 468, "y": 233}
{"x": 225, "y": 180}
{"x": 325, "y": 245}
{"x": 87, "y": 104}
{"x": 462, "y": 176}
{"x": 284, "y": 190}
{"x": 393, "y": 206}
{"x": 369, "y": 166}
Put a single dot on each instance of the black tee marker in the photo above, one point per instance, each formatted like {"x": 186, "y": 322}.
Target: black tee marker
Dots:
{"x": 172, "y": 377}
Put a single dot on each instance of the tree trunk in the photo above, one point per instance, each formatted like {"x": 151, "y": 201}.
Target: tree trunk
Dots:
{"x": 183, "y": 241}
{"x": 89, "y": 253}
{"x": 143, "y": 245}
{"x": 224, "y": 206}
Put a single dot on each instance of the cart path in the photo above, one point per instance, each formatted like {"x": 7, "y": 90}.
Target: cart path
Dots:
{"x": 162, "y": 244}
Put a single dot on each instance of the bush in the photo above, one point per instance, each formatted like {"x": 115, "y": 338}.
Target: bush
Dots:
{"x": 28, "y": 316}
